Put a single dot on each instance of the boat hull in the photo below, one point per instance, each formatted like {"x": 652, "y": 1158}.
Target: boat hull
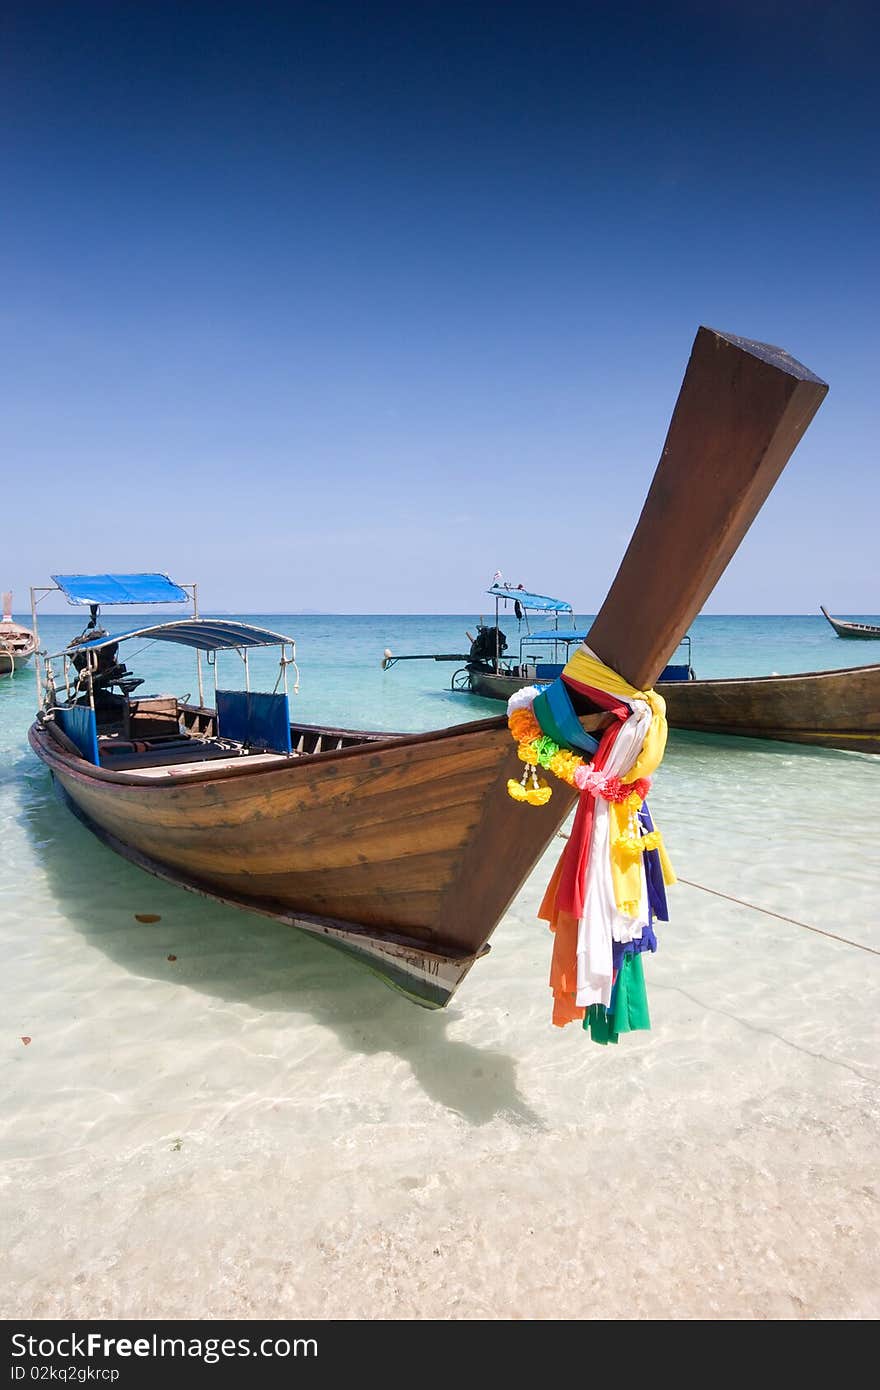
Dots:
{"x": 17, "y": 643}
{"x": 427, "y": 978}
{"x": 490, "y": 686}
{"x": 859, "y": 632}
{"x": 10, "y": 662}
{"x": 827, "y": 709}
{"x": 404, "y": 852}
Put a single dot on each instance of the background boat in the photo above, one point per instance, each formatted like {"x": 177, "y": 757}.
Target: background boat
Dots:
{"x": 501, "y": 684}
{"x": 406, "y": 851}
{"x": 487, "y": 670}
{"x": 865, "y": 632}
{"x": 829, "y": 709}
{"x": 17, "y": 643}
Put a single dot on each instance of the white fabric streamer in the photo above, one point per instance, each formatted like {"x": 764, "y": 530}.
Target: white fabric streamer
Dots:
{"x": 601, "y": 922}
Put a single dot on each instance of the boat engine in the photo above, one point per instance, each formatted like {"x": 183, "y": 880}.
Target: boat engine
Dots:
{"x": 108, "y": 671}
{"x": 488, "y": 643}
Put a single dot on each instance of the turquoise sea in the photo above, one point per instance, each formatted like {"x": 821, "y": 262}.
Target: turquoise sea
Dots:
{"x": 214, "y": 1115}
{"x": 340, "y": 660}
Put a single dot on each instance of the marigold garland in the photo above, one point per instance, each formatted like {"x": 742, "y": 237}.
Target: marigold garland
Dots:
{"x": 632, "y": 845}
{"x": 524, "y": 726}
{"x": 537, "y": 749}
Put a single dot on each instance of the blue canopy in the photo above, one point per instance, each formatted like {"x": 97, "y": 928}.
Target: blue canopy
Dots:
{"x": 120, "y": 588}
{"x": 538, "y": 602}
{"x": 207, "y": 634}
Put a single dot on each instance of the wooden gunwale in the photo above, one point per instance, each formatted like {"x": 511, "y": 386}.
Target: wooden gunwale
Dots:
{"x": 78, "y": 767}
{"x": 777, "y": 680}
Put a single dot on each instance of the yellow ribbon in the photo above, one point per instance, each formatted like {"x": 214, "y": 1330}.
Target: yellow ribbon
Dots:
{"x": 586, "y": 668}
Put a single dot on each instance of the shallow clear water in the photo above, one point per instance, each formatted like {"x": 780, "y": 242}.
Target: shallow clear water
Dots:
{"x": 259, "y": 1127}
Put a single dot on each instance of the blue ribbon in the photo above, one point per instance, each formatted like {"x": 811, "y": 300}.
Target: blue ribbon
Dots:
{"x": 554, "y": 712}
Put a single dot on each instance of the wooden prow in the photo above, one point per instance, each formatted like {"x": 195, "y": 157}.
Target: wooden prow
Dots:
{"x": 741, "y": 411}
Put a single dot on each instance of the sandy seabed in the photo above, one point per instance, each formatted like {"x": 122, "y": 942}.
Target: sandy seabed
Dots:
{"x": 259, "y": 1128}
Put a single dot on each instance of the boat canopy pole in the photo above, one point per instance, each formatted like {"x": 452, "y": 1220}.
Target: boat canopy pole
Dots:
{"x": 283, "y": 662}
{"x": 39, "y": 592}
{"x": 212, "y": 663}
{"x": 42, "y": 590}
{"x": 195, "y": 603}
{"x": 91, "y": 669}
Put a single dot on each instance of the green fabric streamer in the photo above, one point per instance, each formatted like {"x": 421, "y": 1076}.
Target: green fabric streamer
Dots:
{"x": 629, "y": 1005}
{"x": 630, "y": 1002}
{"x": 597, "y": 1022}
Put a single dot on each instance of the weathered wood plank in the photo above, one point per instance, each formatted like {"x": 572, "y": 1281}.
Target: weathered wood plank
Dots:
{"x": 831, "y": 709}
{"x": 741, "y": 411}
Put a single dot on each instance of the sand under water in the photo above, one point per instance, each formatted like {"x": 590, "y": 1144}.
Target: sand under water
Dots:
{"x": 216, "y": 1116}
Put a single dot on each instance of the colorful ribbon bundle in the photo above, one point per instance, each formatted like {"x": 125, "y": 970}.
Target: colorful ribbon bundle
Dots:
{"x": 608, "y": 888}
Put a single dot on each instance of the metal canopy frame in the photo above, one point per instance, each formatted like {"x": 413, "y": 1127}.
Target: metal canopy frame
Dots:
{"x": 202, "y": 634}
{"x": 153, "y": 632}
{"x": 530, "y": 603}
{"x": 41, "y": 591}
{"x": 535, "y": 603}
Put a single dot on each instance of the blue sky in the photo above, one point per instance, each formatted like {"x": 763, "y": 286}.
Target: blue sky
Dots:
{"x": 344, "y": 307}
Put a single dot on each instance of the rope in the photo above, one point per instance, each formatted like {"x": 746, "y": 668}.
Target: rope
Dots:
{"x": 283, "y": 664}
{"x": 832, "y": 936}
{"x": 768, "y": 912}
{"x": 130, "y": 656}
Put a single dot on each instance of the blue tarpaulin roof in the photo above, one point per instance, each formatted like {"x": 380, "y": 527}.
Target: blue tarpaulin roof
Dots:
{"x": 207, "y": 634}
{"x": 538, "y": 602}
{"x": 120, "y": 588}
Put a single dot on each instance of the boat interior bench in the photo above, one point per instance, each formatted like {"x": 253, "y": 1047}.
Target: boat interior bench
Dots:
{"x": 119, "y": 754}
{"x": 151, "y": 732}
{"x": 151, "y": 716}
{"x": 246, "y": 721}
{"x": 169, "y": 733}
{"x": 257, "y": 720}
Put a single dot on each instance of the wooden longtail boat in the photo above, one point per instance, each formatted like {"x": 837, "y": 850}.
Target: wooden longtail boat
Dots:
{"x": 531, "y": 670}
{"x": 17, "y": 643}
{"x": 487, "y": 671}
{"x": 405, "y": 851}
{"x": 864, "y": 632}
{"x": 829, "y": 709}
